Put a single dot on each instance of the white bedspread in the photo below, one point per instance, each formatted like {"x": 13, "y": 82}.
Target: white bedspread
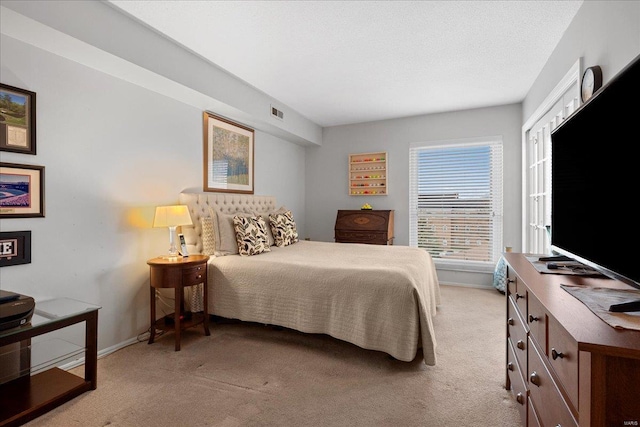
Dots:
{"x": 376, "y": 297}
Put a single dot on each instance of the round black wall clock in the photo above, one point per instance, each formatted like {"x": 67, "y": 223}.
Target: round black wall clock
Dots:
{"x": 591, "y": 82}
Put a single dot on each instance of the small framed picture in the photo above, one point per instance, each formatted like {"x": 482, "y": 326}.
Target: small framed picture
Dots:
{"x": 17, "y": 120}
{"x": 21, "y": 191}
{"x": 15, "y": 248}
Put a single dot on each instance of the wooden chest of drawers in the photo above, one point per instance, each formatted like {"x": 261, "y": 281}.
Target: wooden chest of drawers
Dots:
{"x": 373, "y": 227}
{"x": 565, "y": 366}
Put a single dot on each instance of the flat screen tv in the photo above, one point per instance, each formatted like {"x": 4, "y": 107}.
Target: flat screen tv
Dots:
{"x": 595, "y": 180}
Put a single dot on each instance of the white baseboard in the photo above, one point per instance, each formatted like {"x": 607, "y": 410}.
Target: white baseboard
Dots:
{"x": 102, "y": 353}
{"x": 467, "y": 285}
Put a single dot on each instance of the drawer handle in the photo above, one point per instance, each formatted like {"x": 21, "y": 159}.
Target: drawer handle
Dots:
{"x": 510, "y": 366}
{"x": 518, "y": 296}
{"x": 199, "y": 276}
{"x": 535, "y": 378}
{"x": 510, "y": 321}
{"x": 520, "y": 344}
{"x": 533, "y": 318}
{"x": 511, "y": 280}
{"x": 555, "y": 354}
{"x": 520, "y": 398}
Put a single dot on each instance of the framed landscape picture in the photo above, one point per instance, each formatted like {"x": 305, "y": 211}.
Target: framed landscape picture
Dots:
{"x": 21, "y": 191}
{"x": 228, "y": 156}
{"x": 17, "y": 120}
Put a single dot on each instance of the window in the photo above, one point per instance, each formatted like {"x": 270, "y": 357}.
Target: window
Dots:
{"x": 455, "y": 201}
{"x": 563, "y": 100}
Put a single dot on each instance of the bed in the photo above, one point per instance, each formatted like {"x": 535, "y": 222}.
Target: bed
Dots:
{"x": 376, "y": 297}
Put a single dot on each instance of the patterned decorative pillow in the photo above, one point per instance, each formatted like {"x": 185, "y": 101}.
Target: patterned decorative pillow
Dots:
{"x": 265, "y": 217}
{"x": 251, "y": 234}
{"x": 208, "y": 236}
{"x": 283, "y": 228}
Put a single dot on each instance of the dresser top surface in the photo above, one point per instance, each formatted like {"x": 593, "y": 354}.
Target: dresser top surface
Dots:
{"x": 592, "y": 333}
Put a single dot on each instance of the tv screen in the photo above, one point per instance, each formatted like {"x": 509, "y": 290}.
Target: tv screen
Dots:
{"x": 595, "y": 181}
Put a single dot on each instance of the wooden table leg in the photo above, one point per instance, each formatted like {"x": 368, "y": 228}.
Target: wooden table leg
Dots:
{"x": 152, "y": 329}
{"x": 91, "y": 355}
{"x": 25, "y": 356}
{"x": 177, "y": 314}
{"x": 204, "y": 307}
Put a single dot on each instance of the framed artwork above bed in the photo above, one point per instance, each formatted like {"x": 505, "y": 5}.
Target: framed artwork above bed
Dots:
{"x": 228, "y": 155}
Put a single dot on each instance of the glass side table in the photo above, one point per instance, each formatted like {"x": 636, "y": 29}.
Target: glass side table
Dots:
{"x": 38, "y": 385}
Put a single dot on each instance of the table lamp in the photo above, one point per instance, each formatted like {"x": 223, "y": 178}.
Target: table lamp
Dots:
{"x": 172, "y": 216}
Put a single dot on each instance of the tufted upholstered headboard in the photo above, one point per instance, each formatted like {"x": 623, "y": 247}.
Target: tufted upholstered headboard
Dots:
{"x": 200, "y": 202}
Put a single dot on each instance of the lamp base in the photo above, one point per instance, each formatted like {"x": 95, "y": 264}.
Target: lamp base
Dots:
{"x": 173, "y": 250}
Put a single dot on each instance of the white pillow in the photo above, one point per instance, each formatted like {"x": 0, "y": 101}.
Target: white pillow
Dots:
{"x": 225, "y": 241}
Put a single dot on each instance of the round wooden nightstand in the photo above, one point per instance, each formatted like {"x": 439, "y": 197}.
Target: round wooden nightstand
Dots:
{"x": 178, "y": 273}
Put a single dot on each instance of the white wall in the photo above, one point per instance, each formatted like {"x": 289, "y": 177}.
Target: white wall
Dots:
{"x": 327, "y": 169}
{"x": 112, "y": 151}
{"x": 100, "y": 34}
{"x": 604, "y": 33}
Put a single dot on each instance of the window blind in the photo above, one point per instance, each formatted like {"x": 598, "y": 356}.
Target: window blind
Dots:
{"x": 455, "y": 200}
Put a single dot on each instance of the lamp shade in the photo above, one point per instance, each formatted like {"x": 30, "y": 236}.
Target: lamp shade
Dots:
{"x": 172, "y": 216}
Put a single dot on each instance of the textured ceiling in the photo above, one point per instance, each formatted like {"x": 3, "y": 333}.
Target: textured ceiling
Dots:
{"x": 339, "y": 62}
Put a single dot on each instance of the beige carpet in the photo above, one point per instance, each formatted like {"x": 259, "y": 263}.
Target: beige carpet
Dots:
{"x": 254, "y": 375}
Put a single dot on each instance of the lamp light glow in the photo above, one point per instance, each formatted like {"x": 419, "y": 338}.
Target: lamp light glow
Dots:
{"x": 172, "y": 217}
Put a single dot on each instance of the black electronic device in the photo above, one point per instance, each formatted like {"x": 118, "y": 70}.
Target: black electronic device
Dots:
{"x": 625, "y": 307}
{"x": 555, "y": 265}
{"x": 554, "y": 258}
{"x": 183, "y": 246}
{"x": 8, "y": 296}
{"x": 594, "y": 169}
{"x": 15, "y": 311}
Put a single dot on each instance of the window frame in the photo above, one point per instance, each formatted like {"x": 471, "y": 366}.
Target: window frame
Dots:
{"x": 566, "y": 94}
{"x": 497, "y": 201}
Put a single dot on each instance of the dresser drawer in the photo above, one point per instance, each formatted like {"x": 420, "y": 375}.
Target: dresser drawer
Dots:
{"x": 512, "y": 282}
{"x": 361, "y": 237}
{"x": 532, "y": 417}
{"x": 518, "y": 386}
{"x": 546, "y": 398}
{"x": 517, "y": 333}
{"x": 520, "y": 297}
{"x": 537, "y": 321}
{"x": 563, "y": 357}
{"x": 194, "y": 275}
{"x": 517, "y": 290}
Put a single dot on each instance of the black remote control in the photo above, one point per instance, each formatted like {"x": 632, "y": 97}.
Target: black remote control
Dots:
{"x": 554, "y": 258}
{"x": 625, "y": 306}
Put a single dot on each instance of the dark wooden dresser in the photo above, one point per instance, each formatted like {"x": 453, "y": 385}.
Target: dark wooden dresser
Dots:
{"x": 565, "y": 366}
{"x": 374, "y": 227}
